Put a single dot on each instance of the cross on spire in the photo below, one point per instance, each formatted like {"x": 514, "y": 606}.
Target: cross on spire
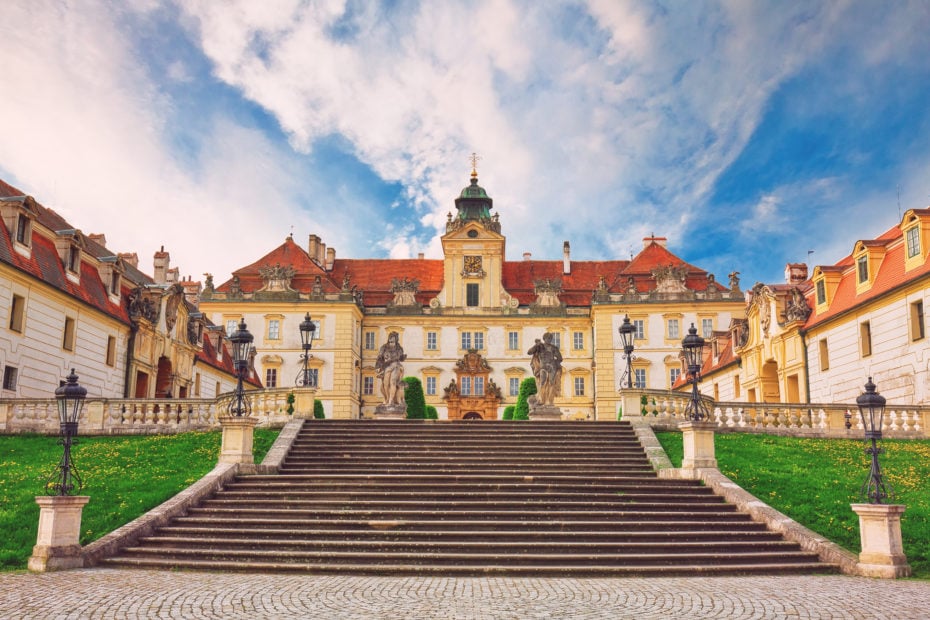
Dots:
{"x": 474, "y": 159}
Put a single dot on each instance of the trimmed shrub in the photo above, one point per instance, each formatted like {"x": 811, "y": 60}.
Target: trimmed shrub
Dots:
{"x": 431, "y": 413}
{"x": 522, "y": 408}
{"x": 416, "y": 401}
{"x": 290, "y": 403}
{"x": 508, "y": 412}
{"x": 318, "y": 412}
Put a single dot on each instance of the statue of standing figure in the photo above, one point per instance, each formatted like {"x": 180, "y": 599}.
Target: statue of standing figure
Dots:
{"x": 546, "y": 364}
{"x": 391, "y": 370}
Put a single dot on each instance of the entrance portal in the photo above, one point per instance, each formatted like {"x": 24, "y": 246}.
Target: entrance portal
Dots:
{"x": 472, "y": 415}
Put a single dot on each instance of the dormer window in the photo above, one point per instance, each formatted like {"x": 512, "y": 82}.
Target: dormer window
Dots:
{"x": 114, "y": 283}
{"x": 862, "y": 269}
{"x": 23, "y": 229}
{"x": 912, "y": 236}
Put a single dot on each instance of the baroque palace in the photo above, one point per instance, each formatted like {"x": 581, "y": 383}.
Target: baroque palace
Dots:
{"x": 466, "y": 321}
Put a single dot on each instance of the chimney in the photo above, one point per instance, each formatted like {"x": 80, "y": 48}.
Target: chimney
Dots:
{"x": 192, "y": 291}
{"x": 313, "y": 248}
{"x": 660, "y": 241}
{"x": 130, "y": 258}
{"x": 98, "y": 238}
{"x": 321, "y": 252}
{"x": 172, "y": 276}
{"x": 527, "y": 256}
{"x": 420, "y": 256}
{"x": 330, "y": 258}
{"x": 162, "y": 260}
{"x": 566, "y": 258}
{"x": 795, "y": 273}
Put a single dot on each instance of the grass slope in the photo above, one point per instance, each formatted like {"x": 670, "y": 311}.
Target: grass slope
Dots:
{"x": 124, "y": 476}
{"x": 814, "y": 481}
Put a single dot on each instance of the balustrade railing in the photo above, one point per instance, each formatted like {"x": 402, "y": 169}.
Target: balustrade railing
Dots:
{"x": 667, "y": 409}
{"x": 104, "y": 416}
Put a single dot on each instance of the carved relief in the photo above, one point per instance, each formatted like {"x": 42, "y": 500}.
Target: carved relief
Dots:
{"x": 796, "y": 308}
{"x": 276, "y": 278}
{"x": 472, "y": 362}
{"x": 174, "y": 295}
{"x": 761, "y": 297}
{"x": 670, "y": 279}
{"x": 144, "y": 303}
{"x": 547, "y": 293}
{"x": 404, "y": 291}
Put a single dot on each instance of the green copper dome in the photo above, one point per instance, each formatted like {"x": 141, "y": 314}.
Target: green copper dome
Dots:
{"x": 474, "y": 203}
{"x": 474, "y": 190}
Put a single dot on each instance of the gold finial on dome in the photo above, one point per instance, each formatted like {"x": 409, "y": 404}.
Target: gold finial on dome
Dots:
{"x": 474, "y": 159}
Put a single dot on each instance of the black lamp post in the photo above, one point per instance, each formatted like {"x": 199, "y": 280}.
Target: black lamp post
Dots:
{"x": 627, "y": 331}
{"x": 872, "y": 410}
{"x": 693, "y": 346}
{"x": 70, "y": 399}
{"x": 242, "y": 347}
{"x": 306, "y": 339}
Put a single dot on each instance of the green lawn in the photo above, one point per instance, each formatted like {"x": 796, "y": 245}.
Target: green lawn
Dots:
{"x": 124, "y": 476}
{"x": 814, "y": 481}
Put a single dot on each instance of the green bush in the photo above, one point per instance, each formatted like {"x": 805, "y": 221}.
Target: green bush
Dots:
{"x": 522, "y": 409}
{"x": 416, "y": 402}
{"x": 508, "y": 412}
{"x": 318, "y": 412}
{"x": 620, "y": 413}
{"x": 431, "y": 413}
{"x": 290, "y": 403}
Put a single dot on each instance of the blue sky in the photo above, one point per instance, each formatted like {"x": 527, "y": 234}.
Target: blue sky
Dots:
{"x": 748, "y": 133}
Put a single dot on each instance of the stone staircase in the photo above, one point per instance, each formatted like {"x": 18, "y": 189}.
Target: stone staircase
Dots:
{"x": 468, "y": 498}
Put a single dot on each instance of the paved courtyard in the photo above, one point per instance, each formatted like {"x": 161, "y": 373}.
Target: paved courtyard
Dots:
{"x": 107, "y": 593}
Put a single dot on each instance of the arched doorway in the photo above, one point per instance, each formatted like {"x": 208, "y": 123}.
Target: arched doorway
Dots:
{"x": 472, "y": 415}
{"x": 770, "y": 390}
{"x": 163, "y": 379}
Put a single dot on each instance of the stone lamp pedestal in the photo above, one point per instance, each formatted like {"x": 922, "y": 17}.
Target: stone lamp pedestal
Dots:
{"x": 396, "y": 411}
{"x": 698, "y": 442}
{"x": 882, "y": 551}
{"x": 237, "y": 439}
{"x": 57, "y": 544}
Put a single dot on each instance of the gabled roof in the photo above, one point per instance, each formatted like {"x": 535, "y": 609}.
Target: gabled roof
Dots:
{"x": 519, "y": 278}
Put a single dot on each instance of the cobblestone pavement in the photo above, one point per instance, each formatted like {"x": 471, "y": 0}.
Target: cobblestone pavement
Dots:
{"x": 107, "y": 593}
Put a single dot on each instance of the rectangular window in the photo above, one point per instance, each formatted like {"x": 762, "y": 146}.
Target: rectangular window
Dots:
{"x": 821, "y": 292}
{"x": 466, "y": 340}
{"x": 368, "y": 386}
{"x": 114, "y": 283}
{"x": 513, "y": 341}
{"x": 707, "y": 328}
{"x": 514, "y": 386}
{"x": 917, "y": 320}
{"x": 22, "y": 229}
{"x": 673, "y": 374}
{"x": 74, "y": 256}
{"x": 313, "y": 377}
{"x": 274, "y": 329}
{"x": 578, "y": 340}
{"x": 579, "y": 386}
{"x": 471, "y": 295}
{"x": 479, "y": 386}
{"x": 17, "y": 313}
{"x": 466, "y": 386}
{"x": 432, "y": 342}
{"x": 479, "y": 340}
{"x": 639, "y": 378}
{"x": 431, "y": 386}
{"x": 639, "y": 329}
{"x": 9, "y": 378}
{"x": 231, "y": 325}
{"x": 913, "y": 241}
{"x": 862, "y": 269}
{"x": 557, "y": 339}
{"x": 865, "y": 339}
{"x": 824, "y": 355}
{"x": 111, "y": 351}
{"x": 673, "y": 329}
{"x": 271, "y": 377}
{"x": 67, "y": 340}
{"x": 369, "y": 341}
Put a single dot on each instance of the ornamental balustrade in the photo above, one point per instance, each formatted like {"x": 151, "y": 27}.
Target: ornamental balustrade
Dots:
{"x": 119, "y": 416}
{"x": 666, "y": 410}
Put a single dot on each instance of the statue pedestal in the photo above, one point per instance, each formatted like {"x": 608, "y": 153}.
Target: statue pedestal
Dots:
{"x": 545, "y": 412}
{"x": 391, "y": 412}
{"x": 58, "y": 542}
{"x": 238, "y": 432}
{"x": 698, "y": 443}
{"x": 882, "y": 550}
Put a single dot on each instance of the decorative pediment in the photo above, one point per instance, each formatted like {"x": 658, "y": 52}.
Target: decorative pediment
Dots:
{"x": 670, "y": 279}
{"x": 796, "y": 308}
{"x": 404, "y": 291}
{"x": 277, "y": 278}
{"x": 145, "y": 303}
{"x": 472, "y": 362}
{"x": 547, "y": 293}
{"x": 174, "y": 295}
{"x": 762, "y": 297}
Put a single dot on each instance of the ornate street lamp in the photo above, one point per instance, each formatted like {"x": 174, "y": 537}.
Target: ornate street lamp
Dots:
{"x": 627, "y": 331}
{"x": 307, "y": 328}
{"x": 872, "y": 410}
{"x": 70, "y": 399}
{"x": 242, "y": 348}
{"x": 693, "y": 347}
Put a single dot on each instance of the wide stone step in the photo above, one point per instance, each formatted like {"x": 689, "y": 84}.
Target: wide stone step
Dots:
{"x": 451, "y": 469}
{"x": 469, "y": 505}
{"x": 725, "y": 512}
{"x": 431, "y": 496}
{"x": 595, "y": 568}
{"x": 314, "y": 484}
